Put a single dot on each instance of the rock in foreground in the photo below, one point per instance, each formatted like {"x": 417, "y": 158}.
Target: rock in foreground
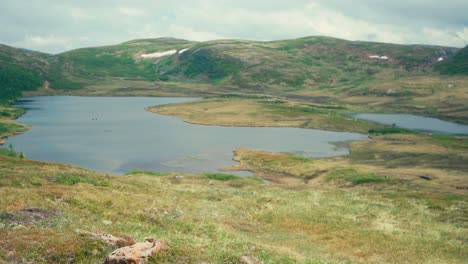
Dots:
{"x": 137, "y": 253}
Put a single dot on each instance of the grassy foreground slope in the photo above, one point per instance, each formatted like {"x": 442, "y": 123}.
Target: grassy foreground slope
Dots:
{"x": 351, "y": 216}
{"x": 397, "y": 198}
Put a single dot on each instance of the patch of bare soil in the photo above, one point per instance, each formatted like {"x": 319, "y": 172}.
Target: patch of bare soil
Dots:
{"x": 31, "y": 216}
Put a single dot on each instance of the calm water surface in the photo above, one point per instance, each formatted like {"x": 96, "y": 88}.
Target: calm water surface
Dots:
{"x": 116, "y": 134}
{"x": 416, "y": 123}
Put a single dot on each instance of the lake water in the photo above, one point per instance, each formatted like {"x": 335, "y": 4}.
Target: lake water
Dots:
{"x": 416, "y": 123}
{"x": 116, "y": 134}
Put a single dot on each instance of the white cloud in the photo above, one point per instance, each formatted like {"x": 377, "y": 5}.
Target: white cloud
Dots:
{"x": 191, "y": 34}
{"x": 79, "y": 13}
{"x": 441, "y": 37}
{"x": 131, "y": 11}
{"x": 463, "y": 35}
{"x": 58, "y": 25}
{"x": 45, "y": 40}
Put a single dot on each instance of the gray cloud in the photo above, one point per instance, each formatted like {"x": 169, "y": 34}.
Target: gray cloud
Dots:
{"x": 56, "y": 26}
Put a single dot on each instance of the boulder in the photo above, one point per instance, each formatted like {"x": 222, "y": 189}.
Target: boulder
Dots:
{"x": 137, "y": 253}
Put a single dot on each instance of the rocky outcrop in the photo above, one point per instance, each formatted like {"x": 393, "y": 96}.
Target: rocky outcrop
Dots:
{"x": 137, "y": 253}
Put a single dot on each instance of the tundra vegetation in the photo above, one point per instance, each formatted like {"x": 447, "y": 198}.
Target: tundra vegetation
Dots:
{"x": 399, "y": 197}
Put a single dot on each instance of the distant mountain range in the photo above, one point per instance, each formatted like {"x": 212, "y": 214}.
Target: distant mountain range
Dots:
{"x": 304, "y": 63}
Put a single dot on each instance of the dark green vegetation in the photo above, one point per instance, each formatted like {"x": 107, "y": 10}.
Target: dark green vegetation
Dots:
{"x": 10, "y": 152}
{"x": 15, "y": 80}
{"x": 355, "y": 177}
{"x": 391, "y": 130}
{"x": 20, "y": 70}
{"x": 9, "y": 128}
{"x": 458, "y": 64}
{"x": 10, "y": 112}
{"x": 221, "y": 176}
{"x": 67, "y": 179}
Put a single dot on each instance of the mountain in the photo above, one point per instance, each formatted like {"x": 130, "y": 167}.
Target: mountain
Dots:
{"x": 122, "y": 60}
{"x": 255, "y": 66}
{"x": 311, "y": 61}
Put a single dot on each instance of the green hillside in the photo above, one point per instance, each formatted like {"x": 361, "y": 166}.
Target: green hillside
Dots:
{"x": 305, "y": 62}
{"x": 458, "y": 64}
{"x": 122, "y": 60}
{"x": 21, "y": 70}
{"x": 297, "y": 67}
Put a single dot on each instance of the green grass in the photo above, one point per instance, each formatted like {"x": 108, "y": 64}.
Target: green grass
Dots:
{"x": 355, "y": 177}
{"x": 451, "y": 141}
{"x": 8, "y": 128}
{"x": 10, "y": 112}
{"x": 14, "y": 80}
{"x": 221, "y": 176}
{"x": 208, "y": 63}
{"x": 67, "y": 179}
{"x": 10, "y": 152}
{"x": 458, "y": 64}
{"x": 294, "y": 158}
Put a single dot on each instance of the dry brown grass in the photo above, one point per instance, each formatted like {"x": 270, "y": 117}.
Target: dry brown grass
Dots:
{"x": 219, "y": 221}
{"x": 262, "y": 112}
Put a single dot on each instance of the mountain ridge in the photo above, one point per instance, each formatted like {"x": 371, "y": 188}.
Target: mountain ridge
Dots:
{"x": 391, "y": 75}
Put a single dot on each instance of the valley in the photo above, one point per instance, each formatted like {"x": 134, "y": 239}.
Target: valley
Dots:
{"x": 399, "y": 196}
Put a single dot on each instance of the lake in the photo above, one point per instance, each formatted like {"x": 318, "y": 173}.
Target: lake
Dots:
{"x": 116, "y": 134}
{"x": 419, "y": 123}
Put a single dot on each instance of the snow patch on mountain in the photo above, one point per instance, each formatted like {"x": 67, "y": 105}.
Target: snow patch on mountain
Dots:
{"x": 158, "y": 54}
{"x": 378, "y": 57}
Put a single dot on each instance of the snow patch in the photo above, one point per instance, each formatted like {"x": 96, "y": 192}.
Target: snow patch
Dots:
{"x": 182, "y": 51}
{"x": 378, "y": 57}
{"x": 159, "y": 54}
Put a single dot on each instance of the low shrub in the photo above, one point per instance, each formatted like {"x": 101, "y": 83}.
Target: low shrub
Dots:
{"x": 66, "y": 179}
{"x": 221, "y": 176}
{"x": 355, "y": 177}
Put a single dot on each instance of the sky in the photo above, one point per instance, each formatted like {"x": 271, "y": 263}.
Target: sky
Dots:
{"x": 56, "y": 26}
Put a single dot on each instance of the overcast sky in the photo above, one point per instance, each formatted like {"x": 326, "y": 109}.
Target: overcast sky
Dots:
{"x": 59, "y": 25}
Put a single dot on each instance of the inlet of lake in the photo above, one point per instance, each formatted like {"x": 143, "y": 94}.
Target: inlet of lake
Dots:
{"x": 117, "y": 135}
{"x": 418, "y": 123}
